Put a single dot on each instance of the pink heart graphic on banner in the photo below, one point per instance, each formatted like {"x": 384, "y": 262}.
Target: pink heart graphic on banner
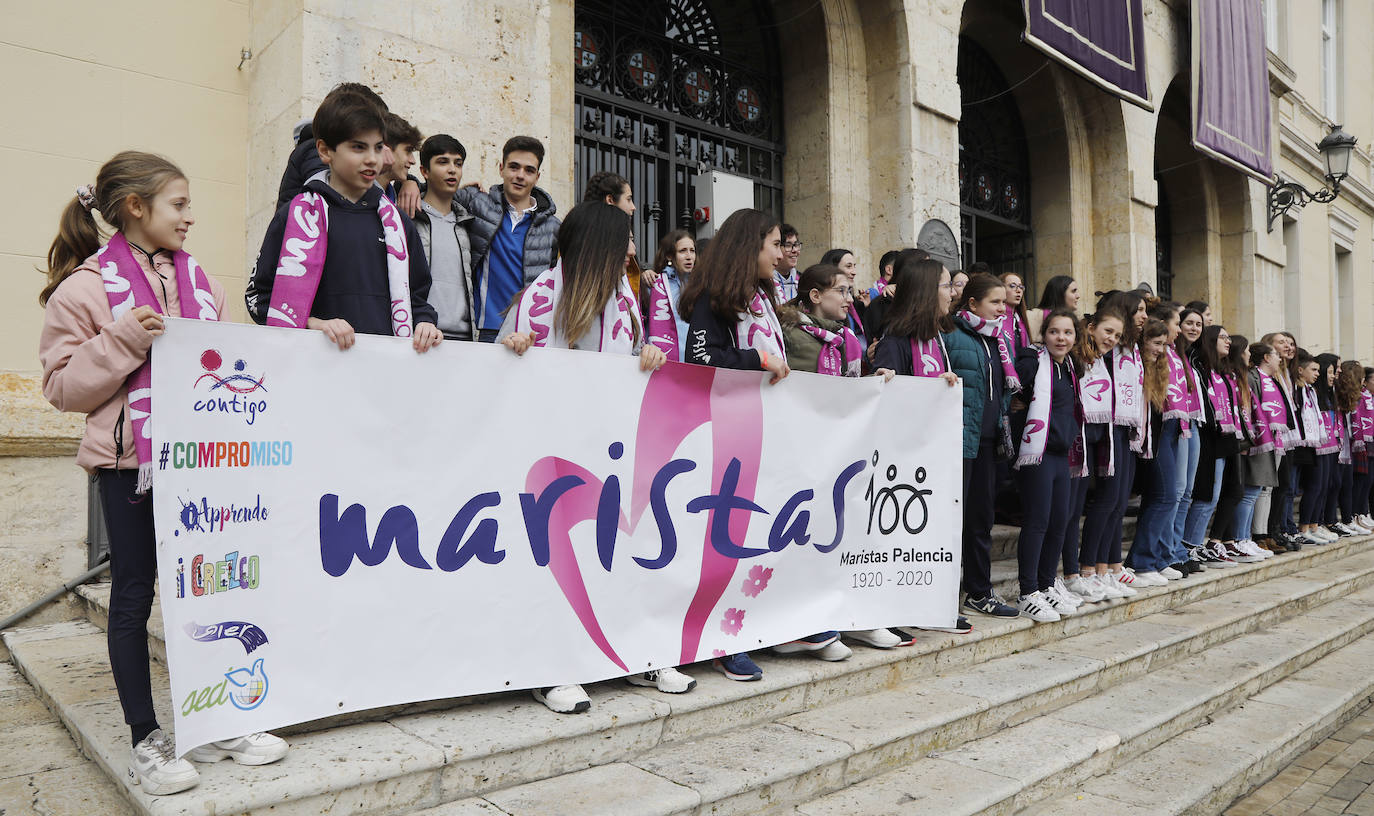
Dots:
{"x": 674, "y": 405}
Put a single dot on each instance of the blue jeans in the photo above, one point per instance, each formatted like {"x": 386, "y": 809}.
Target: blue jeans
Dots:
{"x": 1200, "y": 513}
{"x": 1187, "y": 468}
{"x": 1245, "y": 512}
{"x": 1152, "y": 550}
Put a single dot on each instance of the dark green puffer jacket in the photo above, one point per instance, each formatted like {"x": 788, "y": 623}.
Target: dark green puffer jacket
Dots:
{"x": 969, "y": 358}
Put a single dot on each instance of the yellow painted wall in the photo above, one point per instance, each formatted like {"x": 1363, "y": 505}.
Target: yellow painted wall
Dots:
{"x": 86, "y": 80}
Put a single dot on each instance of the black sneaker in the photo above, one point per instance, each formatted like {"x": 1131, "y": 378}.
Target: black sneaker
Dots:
{"x": 906, "y": 637}
{"x": 992, "y": 605}
{"x": 1292, "y": 542}
{"x": 961, "y": 627}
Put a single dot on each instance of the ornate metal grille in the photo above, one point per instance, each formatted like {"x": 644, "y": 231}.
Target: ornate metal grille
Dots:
{"x": 1164, "y": 248}
{"x": 671, "y": 87}
{"x": 994, "y": 170}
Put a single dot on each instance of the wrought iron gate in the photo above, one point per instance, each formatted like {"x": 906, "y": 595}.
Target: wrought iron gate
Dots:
{"x": 667, "y": 88}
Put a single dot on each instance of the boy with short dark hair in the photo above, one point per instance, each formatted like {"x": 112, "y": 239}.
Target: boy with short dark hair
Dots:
{"x": 404, "y": 140}
{"x": 786, "y": 275}
{"x": 368, "y": 241}
{"x": 443, "y": 227}
{"x": 514, "y": 233}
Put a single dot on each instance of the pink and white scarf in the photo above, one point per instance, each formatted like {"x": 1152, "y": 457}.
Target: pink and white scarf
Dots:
{"x": 758, "y": 328}
{"x": 1036, "y": 434}
{"x": 1129, "y": 384}
{"x": 126, "y": 287}
{"x": 1363, "y": 424}
{"x": 1095, "y": 392}
{"x": 303, "y": 250}
{"x": 663, "y": 317}
{"x": 539, "y": 302}
{"x": 1311, "y": 418}
{"x": 1176, "y": 402}
{"x": 1015, "y": 331}
{"x": 1272, "y": 420}
{"x": 928, "y": 357}
{"x": 841, "y": 355}
{"x": 1219, "y": 392}
{"x": 993, "y": 328}
{"x": 1331, "y": 433}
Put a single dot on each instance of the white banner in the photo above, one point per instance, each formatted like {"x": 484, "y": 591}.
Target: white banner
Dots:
{"x": 339, "y": 531}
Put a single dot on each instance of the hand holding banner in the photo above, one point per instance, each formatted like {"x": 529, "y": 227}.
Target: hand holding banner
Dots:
{"x": 339, "y": 531}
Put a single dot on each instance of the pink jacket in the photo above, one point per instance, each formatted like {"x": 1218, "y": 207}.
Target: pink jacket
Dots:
{"x": 87, "y": 355}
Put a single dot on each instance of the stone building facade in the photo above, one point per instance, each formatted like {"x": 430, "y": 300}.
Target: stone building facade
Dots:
{"x": 863, "y": 122}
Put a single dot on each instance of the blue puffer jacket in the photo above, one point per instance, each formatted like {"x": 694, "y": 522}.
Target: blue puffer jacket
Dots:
{"x": 968, "y": 357}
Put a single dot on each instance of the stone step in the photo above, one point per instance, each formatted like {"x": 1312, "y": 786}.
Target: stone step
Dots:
{"x": 1201, "y": 770}
{"x": 1110, "y": 730}
{"x": 995, "y": 745}
{"x": 507, "y": 741}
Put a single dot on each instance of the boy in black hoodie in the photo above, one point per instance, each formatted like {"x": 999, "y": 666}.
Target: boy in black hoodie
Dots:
{"x": 353, "y": 294}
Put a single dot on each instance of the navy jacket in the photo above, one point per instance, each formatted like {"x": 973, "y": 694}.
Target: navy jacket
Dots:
{"x": 305, "y": 162}
{"x": 711, "y": 341}
{"x": 1063, "y": 398}
{"x": 354, "y": 284}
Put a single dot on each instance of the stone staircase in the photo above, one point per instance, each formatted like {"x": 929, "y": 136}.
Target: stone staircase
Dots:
{"x": 1174, "y": 701}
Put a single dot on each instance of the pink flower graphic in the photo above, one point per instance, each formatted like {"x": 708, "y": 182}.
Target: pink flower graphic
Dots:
{"x": 757, "y": 580}
{"x": 732, "y": 622}
{"x": 717, "y": 653}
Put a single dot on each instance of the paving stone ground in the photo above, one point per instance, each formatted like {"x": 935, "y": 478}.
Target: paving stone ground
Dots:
{"x": 1332, "y": 779}
{"x": 41, "y": 771}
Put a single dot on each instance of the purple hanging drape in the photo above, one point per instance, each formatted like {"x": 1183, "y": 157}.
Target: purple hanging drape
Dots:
{"x": 1104, "y": 40}
{"x": 1231, "y": 107}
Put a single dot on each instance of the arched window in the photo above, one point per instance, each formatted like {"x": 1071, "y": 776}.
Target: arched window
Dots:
{"x": 994, "y": 169}
{"x": 668, "y": 88}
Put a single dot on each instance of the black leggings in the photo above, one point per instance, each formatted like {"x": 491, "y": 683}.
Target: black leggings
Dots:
{"x": 133, "y": 571}
{"x": 1316, "y": 478}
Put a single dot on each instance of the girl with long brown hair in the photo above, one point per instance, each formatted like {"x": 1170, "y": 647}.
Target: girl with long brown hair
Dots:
{"x": 674, "y": 261}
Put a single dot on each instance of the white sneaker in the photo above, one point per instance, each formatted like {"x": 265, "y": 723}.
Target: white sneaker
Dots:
{"x": 1171, "y": 574}
{"x": 1358, "y": 526}
{"x": 1249, "y": 546}
{"x": 1324, "y": 534}
{"x": 1111, "y": 590}
{"x": 564, "y": 699}
{"x": 255, "y": 749}
{"x": 668, "y": 681}
{"x": 1150, "y": 578}
{"x": 1331, "y": 534}
{"x": 877, "y": 638}
{"x": 154, "y": 767}
{"x": 1311, "y": 537}
{"x": 1086, "y": 588}
{"x": 1058, "y": 603}
{"x": 1368, "y": 522}
{"x": 1037, "y": 607}
{"x": 1345, "y": 529}
{"x": 1062, "y": 590}
{"x": 834, "y": 651}
{"x": 1127, "y": 580}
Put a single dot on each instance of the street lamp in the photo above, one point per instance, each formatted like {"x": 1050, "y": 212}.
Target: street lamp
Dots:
{"x": 1335, "y": 150}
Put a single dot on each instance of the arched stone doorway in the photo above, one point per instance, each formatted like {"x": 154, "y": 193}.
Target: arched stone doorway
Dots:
{"x": 1186, "y": 240}
{"x": 668, "y": 88}
{"x": 994, "y": 168}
